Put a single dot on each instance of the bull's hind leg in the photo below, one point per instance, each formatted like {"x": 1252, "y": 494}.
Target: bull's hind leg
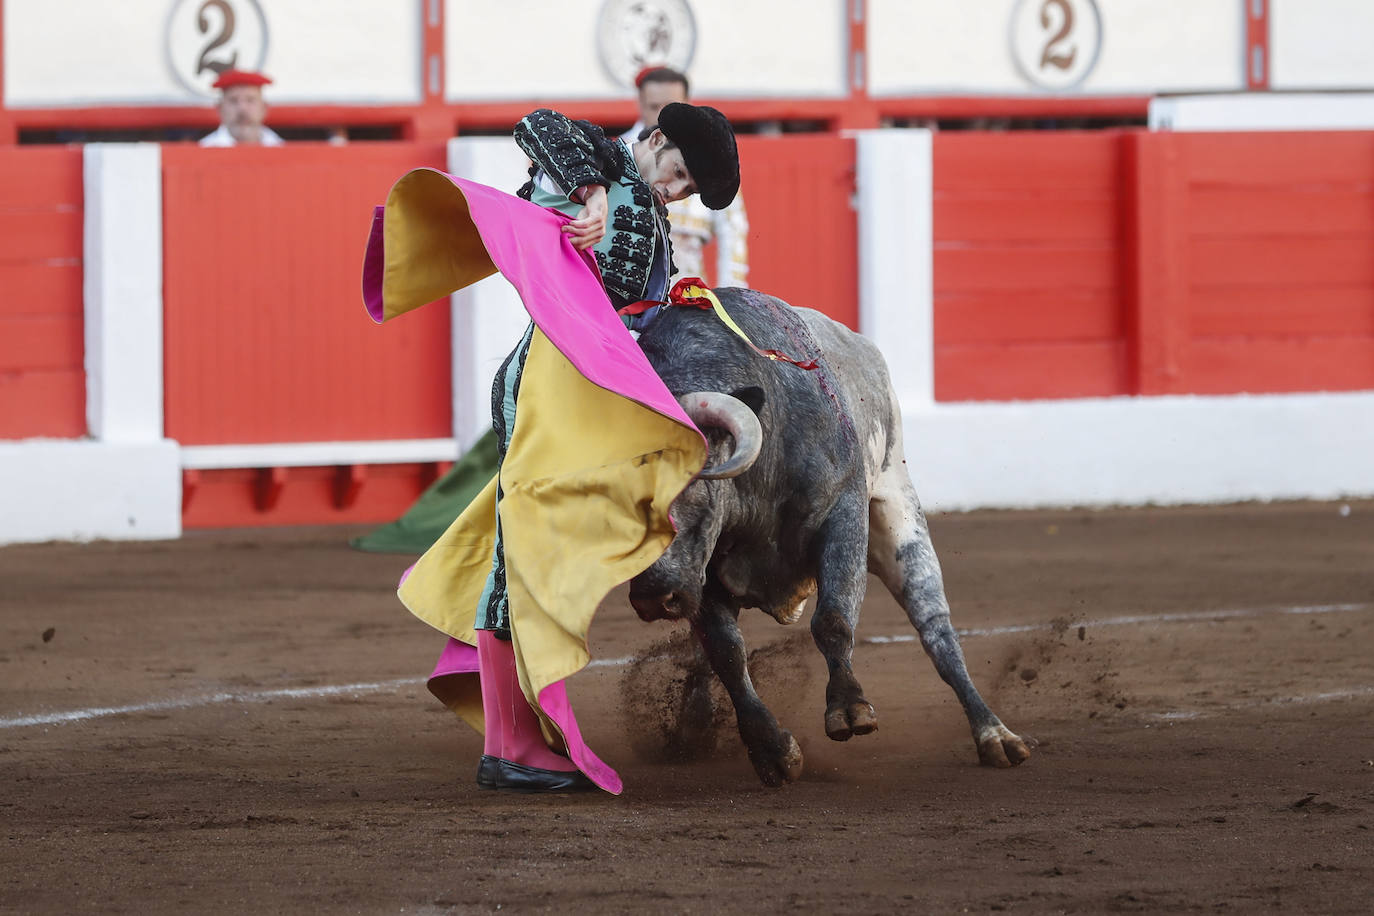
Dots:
{"x": 841, "y": 579}
{"x": 900, "y": 553}
{"x": 772, "y": 750}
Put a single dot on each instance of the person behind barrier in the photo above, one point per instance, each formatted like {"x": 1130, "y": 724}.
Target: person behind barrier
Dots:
{"x": 242, "y": 111}
{"x": 694, "y": 225}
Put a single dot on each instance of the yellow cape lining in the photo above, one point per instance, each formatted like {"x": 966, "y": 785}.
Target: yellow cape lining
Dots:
{"x": 588, "y": 477}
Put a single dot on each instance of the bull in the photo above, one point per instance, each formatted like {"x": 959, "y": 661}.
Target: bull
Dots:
{"x": 806, "y": 491}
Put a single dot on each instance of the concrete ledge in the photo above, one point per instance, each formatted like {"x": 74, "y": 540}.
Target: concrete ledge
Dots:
{"x": 1136, "y": 451}
{"x": 79, "y": 490}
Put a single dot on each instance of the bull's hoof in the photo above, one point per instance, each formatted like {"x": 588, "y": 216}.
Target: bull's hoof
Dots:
{"x": 780, "y": 765}
{"x": 844, "y": 722}
{"x": 999, "y": 746}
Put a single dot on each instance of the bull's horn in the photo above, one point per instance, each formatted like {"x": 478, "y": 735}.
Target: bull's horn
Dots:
{"x": 711, "y": 408}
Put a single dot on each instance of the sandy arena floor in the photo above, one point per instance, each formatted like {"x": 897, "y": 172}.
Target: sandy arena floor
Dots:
{"x": 236, "y": 722}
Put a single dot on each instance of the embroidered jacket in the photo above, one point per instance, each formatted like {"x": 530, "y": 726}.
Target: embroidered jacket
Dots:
{"x": 635, "y": 255}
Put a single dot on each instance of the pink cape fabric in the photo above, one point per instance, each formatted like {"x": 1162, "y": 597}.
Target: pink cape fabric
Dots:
{"x": 562, "y": 292}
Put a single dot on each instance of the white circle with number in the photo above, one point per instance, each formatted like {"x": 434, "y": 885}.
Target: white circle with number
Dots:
{"x": 634, "y": 34}
{"x": 207, "y": 37}
{"x": 1055, "y": 43}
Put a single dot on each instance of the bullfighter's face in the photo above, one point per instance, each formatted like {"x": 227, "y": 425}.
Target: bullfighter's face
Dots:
{"x": 662, "y": 167}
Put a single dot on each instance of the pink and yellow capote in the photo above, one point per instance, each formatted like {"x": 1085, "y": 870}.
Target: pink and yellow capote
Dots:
{"x": 599, "y": 452}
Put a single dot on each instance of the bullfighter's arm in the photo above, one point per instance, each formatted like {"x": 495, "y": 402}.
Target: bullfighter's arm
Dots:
{"x": 568, "y": 152}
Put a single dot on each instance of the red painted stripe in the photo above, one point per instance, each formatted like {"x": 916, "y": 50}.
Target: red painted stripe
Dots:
{"x": 1041, "y": 370}
{"x": 1270, "y": 365}
{"x": 1029, "y": 217}
{"x": 1317, "y": 210}
{"x": 1032, "y": 315}
{"x": 1256, "y": 44}
{"x": 1013, "y": 269}
{"x": 831, "y": 113}
{"x": 1307, "y": 309}
{"x": 1292, "y": 261}
{"x": 978, "y": 106}
{"x": 1266, "y": 160}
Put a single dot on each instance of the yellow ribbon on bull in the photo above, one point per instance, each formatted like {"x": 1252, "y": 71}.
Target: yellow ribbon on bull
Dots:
{"x": 690, "y": 291}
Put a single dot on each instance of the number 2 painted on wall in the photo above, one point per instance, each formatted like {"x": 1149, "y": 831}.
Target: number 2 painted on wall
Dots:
{"x": 226, "y": 32}
{"x": 1053, "y": 55}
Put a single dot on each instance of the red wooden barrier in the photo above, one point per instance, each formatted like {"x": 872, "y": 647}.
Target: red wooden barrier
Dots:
{"x": 1027, "y": 266}
{"x": 266, "y": 336}
{"x": 42, "y": 378}
{"x": 266, "y": 339}
{"x": 1071, "y": 265}
{"x": 803, "y": 231}
{"x": 1279, "y": 231}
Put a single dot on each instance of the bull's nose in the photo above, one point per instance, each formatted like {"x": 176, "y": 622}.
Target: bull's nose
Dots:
{"x": 656, "y": 607}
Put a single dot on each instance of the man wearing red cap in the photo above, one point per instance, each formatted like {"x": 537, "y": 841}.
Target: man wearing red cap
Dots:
{"x": 694, "y": 225}
{"x": 242, "y": 111}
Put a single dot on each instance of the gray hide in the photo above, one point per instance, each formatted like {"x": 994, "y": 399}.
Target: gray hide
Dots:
{"x": 827, "y": 500}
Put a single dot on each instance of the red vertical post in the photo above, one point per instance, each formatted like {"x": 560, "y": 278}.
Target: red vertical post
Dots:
{"x": 859, "y": 111}
{"x": 1256, "y": 44}
{"x": 432, "y": 121}
{"x": 1155, "y": 260}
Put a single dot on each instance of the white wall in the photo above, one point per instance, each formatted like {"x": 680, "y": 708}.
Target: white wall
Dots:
{"x": 1321, "y": 44}
{"x": 1264, "y": 111}
{"x": 79, "y": 490}
{"x": 934, "y": 46}
{"x": 60, "y": 53}
{"x": 1133, "y": 451}
{"x": 532, "y": 49}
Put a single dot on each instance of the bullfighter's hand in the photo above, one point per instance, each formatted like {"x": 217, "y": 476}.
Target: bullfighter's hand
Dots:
{"x": 589, "y": 227}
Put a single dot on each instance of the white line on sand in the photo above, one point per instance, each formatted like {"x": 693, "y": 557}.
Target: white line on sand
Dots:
{"x": 1177, "y": 715}
{"x": 262, "y": 696}
{"x": 210, "y": 699}
{"x": 1185, "y": 617}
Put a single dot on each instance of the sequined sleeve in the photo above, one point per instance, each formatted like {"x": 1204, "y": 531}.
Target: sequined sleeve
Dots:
{"x": 561, "y": 148}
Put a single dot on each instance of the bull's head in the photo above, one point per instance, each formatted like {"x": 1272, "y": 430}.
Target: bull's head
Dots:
{"x": 671, "y": 588}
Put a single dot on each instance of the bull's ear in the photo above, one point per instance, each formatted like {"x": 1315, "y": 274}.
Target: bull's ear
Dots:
{"x": 752, "y": 396}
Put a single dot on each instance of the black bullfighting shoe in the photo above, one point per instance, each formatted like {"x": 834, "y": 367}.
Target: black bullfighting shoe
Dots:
{"x": 487, "y": 771}
{"x": 517, "y": 777}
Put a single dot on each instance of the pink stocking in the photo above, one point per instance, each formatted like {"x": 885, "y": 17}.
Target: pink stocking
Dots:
{"x": 512, "y": 727}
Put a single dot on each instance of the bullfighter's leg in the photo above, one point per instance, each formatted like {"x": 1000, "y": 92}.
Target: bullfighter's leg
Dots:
{"x": 901, "y": 554}
{"x": 840, "y": 583}
{"x": 772, "y": 750}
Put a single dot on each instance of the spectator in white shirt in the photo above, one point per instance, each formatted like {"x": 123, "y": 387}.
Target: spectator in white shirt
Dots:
{"x": 694, "y": 225}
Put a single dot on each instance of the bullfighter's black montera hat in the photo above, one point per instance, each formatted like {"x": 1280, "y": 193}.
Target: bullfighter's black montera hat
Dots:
{"x": 708, "y": 148}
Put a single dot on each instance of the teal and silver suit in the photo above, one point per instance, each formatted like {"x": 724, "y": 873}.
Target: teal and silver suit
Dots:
{"x": 634, "y": 256}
